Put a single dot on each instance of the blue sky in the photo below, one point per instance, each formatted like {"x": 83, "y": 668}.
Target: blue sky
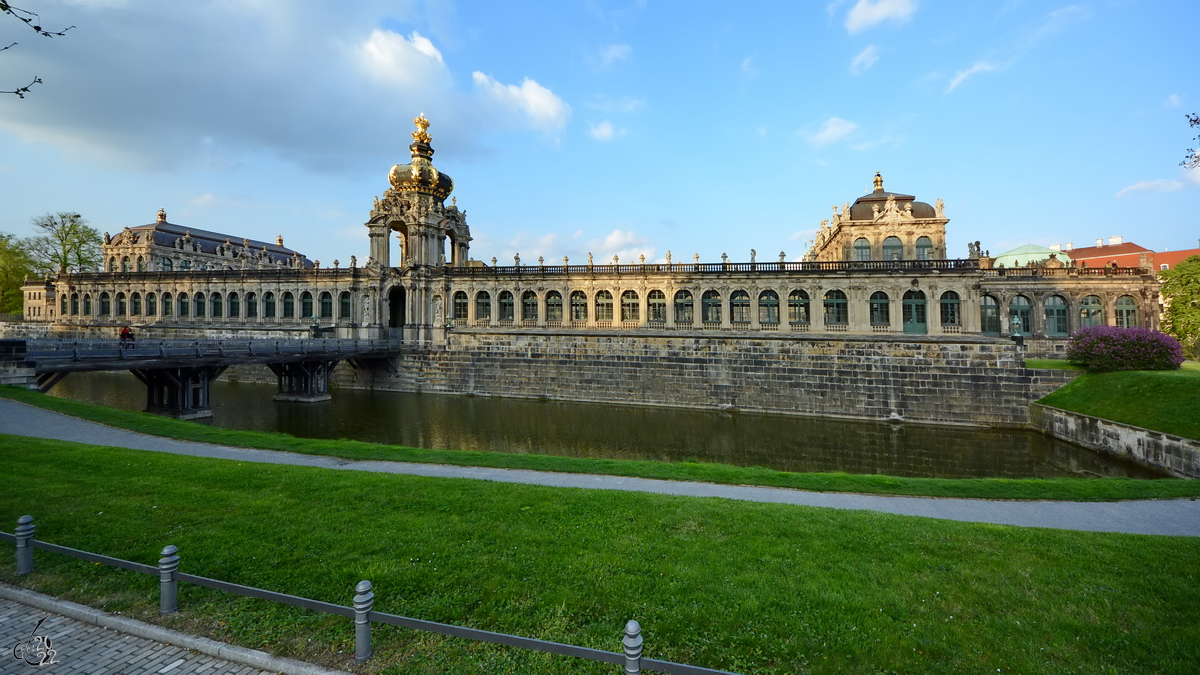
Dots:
{"x": 626, "y": 128}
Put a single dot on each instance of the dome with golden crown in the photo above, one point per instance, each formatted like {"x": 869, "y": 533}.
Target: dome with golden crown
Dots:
{"x": 420, "y": 175}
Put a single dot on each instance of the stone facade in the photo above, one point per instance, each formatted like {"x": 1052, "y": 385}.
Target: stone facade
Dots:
{"x": 1178, "y": 456}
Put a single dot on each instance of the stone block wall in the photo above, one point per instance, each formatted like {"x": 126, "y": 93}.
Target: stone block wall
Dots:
{"x": 963, "y": 380}
{"x": 1177, "y": 456}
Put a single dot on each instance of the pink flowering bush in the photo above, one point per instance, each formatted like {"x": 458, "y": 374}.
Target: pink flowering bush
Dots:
{"x": 1112, "y": 348}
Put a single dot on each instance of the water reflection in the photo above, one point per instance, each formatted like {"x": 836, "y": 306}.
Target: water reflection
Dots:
{"x": 631, "y": 432}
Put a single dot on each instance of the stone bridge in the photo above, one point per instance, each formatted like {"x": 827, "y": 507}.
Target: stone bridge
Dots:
{"x": 178, "y": 374}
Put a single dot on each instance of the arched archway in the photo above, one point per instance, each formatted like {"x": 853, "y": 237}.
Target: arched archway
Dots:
{"x": 396, "y": 308}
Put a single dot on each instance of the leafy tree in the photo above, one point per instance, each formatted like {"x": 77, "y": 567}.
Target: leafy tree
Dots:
{"x": 15, "y": 264}
{"x": 1192, "y": 160}
{"x": 30, "y": 19}
{"x": 68, "y": 244}
{"x": 1181, "y": 294}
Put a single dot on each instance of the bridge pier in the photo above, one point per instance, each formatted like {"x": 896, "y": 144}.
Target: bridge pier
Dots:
{"x": 303, "y": 381}
{"x": 182, "y": 393}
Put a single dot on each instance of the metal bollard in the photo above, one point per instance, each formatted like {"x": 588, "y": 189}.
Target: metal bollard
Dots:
{"x": 363, "y": 600}
{"x": 633, "y": 648}
{"x": 24, "y": 533}
{"x": 168, "y": 588}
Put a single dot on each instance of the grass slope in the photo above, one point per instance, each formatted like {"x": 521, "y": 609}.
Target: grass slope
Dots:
{"x": 1064, "y": 489}
{"x": 1163, "y": 400}
{"x": 753, "y": 588}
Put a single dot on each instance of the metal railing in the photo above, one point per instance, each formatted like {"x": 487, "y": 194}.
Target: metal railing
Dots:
{"x": 361, "y": 610}
{"x": 50, "y": 350}
{"x": 965, "y": 264}
{"x": 1066, "y": 272}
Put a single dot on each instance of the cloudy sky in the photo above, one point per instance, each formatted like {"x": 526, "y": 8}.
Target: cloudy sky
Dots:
{"x": 625, "y": 127}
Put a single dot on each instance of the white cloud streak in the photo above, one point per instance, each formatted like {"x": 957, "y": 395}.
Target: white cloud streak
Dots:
{"x": 834, "y": 129}
{"x": 869, "y": 13}
{"x": 963, "y": 75}
{"x": 546, "y": 112}
{"x": 614, "y": 54}
{"x": 864, "y": 60}
{"x": 604, "y": 131}
{"x": 1159, "y": 185}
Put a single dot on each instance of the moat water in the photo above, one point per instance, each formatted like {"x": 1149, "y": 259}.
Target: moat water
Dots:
{"x": 631, "y": 432}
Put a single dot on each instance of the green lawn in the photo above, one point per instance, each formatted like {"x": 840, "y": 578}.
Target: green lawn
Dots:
{"x": 754, "y": 588}
{"x": 1163, "y": 400}
{"x": 1067, "y": 489}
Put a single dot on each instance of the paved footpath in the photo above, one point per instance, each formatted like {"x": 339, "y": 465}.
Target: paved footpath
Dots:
{"x": 91, "y": 650}
{"x": 1180, "y": 517}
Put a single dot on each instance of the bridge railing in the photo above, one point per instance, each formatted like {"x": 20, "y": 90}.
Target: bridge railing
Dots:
{"x": 142, "y": 349}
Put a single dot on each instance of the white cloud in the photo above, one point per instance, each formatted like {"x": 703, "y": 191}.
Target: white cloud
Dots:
{"x": 1159, "y": 185}
{"x": 864, "y": 60}
{"x": 405, "y": 62}
{"x": 613, "y": 54}
{"x": 625, "y": 244}
{"x": 202, "y": 200}
{"x": 834, "y": 128}
{"x": 1173, "y": 101}
{"x": 747, "y": 68}
{"x": 867, "y": 13}
{"x": 962, "y": 75}
{"x": 1192, "y": 175}
{"x": 604, "y": 131}
{"x": 546, "y": 112}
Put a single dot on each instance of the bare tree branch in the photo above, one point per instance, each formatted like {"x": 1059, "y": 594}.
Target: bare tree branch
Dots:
{"x": 1192, "y": 159}
{"x": 21, "y": 91}
{"x": 32, "y": 20}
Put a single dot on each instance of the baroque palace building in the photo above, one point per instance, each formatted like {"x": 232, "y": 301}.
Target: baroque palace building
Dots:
{"x": 878, "y": 267}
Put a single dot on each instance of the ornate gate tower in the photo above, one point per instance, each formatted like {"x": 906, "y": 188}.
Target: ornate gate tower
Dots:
{"x": 432, "y": 236}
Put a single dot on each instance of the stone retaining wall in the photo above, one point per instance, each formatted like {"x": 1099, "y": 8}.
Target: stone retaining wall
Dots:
{"x": 964, "y": 380}
{"x": 1176, "y": 455}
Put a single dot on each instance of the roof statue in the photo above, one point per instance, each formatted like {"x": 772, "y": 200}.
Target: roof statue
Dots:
{"x": 421, "y": 135}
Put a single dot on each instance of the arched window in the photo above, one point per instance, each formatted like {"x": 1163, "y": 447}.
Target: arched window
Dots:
{"x": 326, "y": 305}
{"x": 798, "y": 308}
{"x": 112, "y": 264}
{"x": 235, "y": 305}
{"x": 269, "y": 305}
{"x": 656, "y": 307}
{"x": 289, "y": 305}
{"x": 306, "y": 305}
{"x": 345, "y": 311}
{"x": 105, "y": 304}
{"x": 739, "y": 307}
{"x": 684, "y": 312}
{"x": 630, "y": 307}
{"x": 924, "y": 248}
{"x": 893, "y": 249}
{"x": 1091, "y": 312}
{"x": 122, "y": 307}
{"x": 165, "y": 265}
{"x": 862, "y": 249}
{"x": 529, "y": 307}
{"x": 579, "y": 306}
{"x": 151, "y": 305}
{"x": 215, "y": 303}
{"x": 141, "y": 264}
{"x": 185, "y": 265}
{"x": 198, "y": 305}
{"x": 604, "y": 306}
{"x": 768, "y": 307}
{"x": 507, "y": 308}
{"x": 837, "y": 313}
{"x": 460, "y": 305}
{"x": 880, "y": 312}
{"x": 950, "y": 309}
{"x": 125, "y": 264}
{"x": 916, "y": 320}
{"x": 135, "y": 304}
{"x": 185, "y": 309}
{"x": 554, "y": 306}
{"x": 87, "y": 304}
{"x": 710, "y": 307}
{"x": 1058, "y": 323}
{"x": 74, "y": 304}
{"x": 251, "y": 306}
{"x": 168, "y": 307}
{"x": 1127, "y": 312}
{"x": 1019, "y": 316}
{"x": 989, "y": 315}
{"x": 62, "y": 309}
{"x": 483, "y": 305}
